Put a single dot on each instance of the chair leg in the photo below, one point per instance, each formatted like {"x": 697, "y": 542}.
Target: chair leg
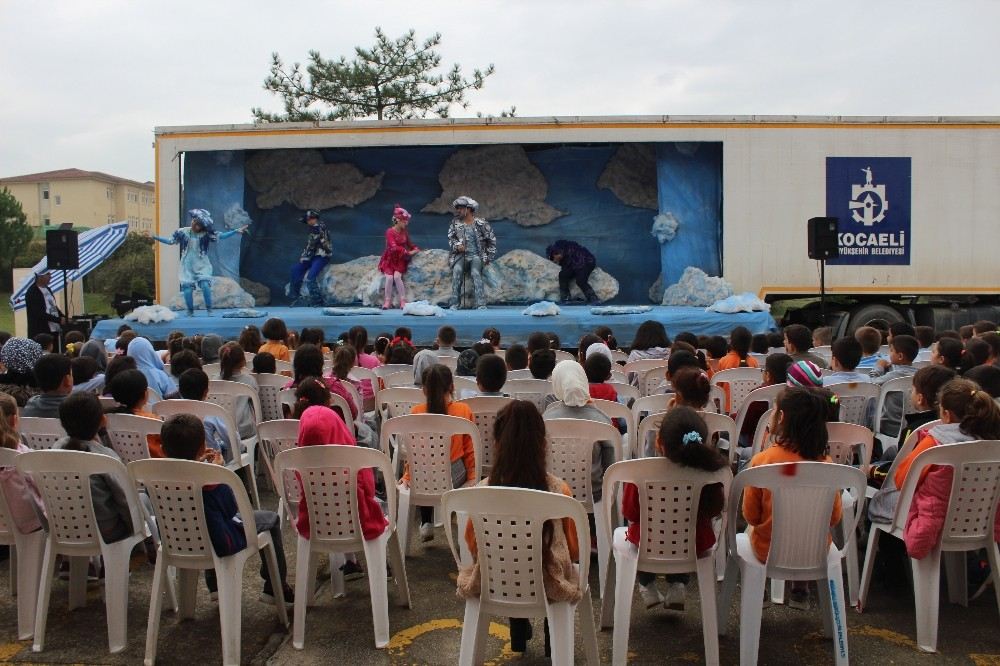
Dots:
{"x": 626, "y": 565}
{"x": 28, "y": 568}
{"x": 837, "y": 610}
{"x": 825, "y": 609}
{"x": 375, "y": 556}
{"x": 337, "y": 560}
{"x": 560, "y": 616}
{"x": 993, "y": 555}
{"x": 728, "y": 590}
{"x": 78, "y": 581}
{"x": 44, "y": 595}
{"x": 853, "y": 584}
{"x": 709, "y": 613}
{"x": 926, "y": 597}
{"x": 956, "y": 574}
{"x": 187, "y": 582}
{"x": 777, "y": 591}
{"x": 753, "y": 581}
{"x": 304, "y": 581}
{"x": 588, "y": 630}
{"x": 271, "y": 559}
{"x": 603, "y": 545}
{"x": 155, "y": 610}
{"x": 470, "y": 634}
{"x": 395, "y": 555}
{"x": 230, "y": 608}
{"x": 405, "y": 517}
{"x": 866, "y": 574}
{"x": 720, "y": 559}
{"x": 116, "y": 580}
{"x": 252, "y": 482}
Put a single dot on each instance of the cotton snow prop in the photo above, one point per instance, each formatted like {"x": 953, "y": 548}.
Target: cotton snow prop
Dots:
{"x": 246, "y": 313}
{"x": 664, "y": 227}
{"x": 697, "y": 289}
{"x": 745, "y": 302}
{"x": 151, "y": 314}
{"x": 422, "y": 309}
{"x": 619, "y": 309}
{"x": 542, "y": 309}
{"x": 350, "y": 312}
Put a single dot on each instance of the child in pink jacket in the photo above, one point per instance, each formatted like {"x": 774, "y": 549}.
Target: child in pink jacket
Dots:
{"x": 967, "y": 413}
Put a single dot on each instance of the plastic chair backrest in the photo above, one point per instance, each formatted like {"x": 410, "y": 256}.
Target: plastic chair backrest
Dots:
{"x": 720, "y": 424}
{"x": 564, "y": 356}
{"x": 202, "y": 410}
{"x": 213, "y": 370}
{"x": 650, "y": 425}
{"x": 449, "y": 361}
{"x": 669, "y": 495}
{"x": 762, "y": 433}
{"x": 175, "y": 490}
{"x": 716, "y": 400}
{"x": 619, "y": 357}
{"x": 533, "y": 390}
{"x": 897, "y": 385}
{"x": 268, "y": 389}
{"x": 275, "y": 437}
{"x": 226, "y": 393}
{"x": 570, "y": 454}
{"x": 616, "y": 410}
{"x": 339, "y": 405}
{"x": 909, "y": 443}
{"x": 465, "y": 384}
{"x": 768, "y": 394}
{"x": 484, "y": 414}
{"x": 107, "y": 402}
{"x": 8, "y": 459}
{"x": 510, "y": 521}
{"x": 358, "y": 372}
{"x": 650, "y": 404}
{"x": 741, "y": 382}
{"x": 384, "y": 371}
{"x": 825, "y": 352}
{"x": 857, "y": 401}
{"x": 129, "y": 435}
{"x": 284, "y": 368}
{"x": 287, "y": 399}
{"x": 398, "y": 379}
{"x": 618, "y": 377}
{"x": 845, "y": 440}
{"x": 40, "y": 433}
{"x": 63, "y": 480}
{"x": 625, "y": 389}
{"x": 645, "y": 364}
{"x": 802, "y": 499}
{"x": 650, "y": 379}
{"x": 327, "y": 476}
{"x": 424, "y": 441}
{"x": 398, "y": 401}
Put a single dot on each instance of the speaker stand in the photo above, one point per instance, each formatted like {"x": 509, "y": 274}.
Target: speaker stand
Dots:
{"x": 822, "y": 291}
{"x": 65, "y": 297}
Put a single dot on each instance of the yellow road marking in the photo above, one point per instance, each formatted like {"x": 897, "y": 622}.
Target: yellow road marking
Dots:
{"x": 402, "y": 640}
{"x": 884, "y": 634}
{"x": 985, "y": 659}
{"x": 8, "y": 650}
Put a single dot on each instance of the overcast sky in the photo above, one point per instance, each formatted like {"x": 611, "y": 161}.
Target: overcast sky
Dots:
{"x": 83, "y": 83}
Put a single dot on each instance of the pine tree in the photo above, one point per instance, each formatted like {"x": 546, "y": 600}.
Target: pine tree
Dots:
{"x": 393, "y": 79}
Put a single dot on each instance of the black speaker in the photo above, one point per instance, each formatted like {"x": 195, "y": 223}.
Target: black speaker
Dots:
{"x": 823, "y": 243}
{"x": 61, "y": 249}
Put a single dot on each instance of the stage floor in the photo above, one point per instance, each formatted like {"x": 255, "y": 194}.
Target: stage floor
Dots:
{"x": 570, "y": 325}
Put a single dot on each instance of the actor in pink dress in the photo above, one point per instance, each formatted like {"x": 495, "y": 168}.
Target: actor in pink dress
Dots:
{"x": 396, "y": 258}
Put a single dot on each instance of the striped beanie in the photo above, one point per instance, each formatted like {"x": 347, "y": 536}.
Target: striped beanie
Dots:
{"x": 805, "y": 374}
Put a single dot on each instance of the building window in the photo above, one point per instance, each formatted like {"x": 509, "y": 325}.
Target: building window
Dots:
{"x": 109, "y": 192}
{"x": 45, "y": 194}
{"x": 46, "y": 221}
{"x": 58, "y": 200}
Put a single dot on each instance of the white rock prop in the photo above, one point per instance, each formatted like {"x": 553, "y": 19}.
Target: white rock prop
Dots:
{"x": 226, "y": 293}
{"x": 745, "y": 302}
{"x": 697, "y": 289}
{"x": 151, "y": 314}
{"x": 423, "y": 309}
{"x": 516, "y": 277}
{"x": 542, "y": 309}
{"x": 260, "y": 292}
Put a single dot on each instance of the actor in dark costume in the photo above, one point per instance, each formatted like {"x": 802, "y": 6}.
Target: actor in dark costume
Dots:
{"x": 44, "y": 316}
{"x": 313, "y": 259}
{"x": 576, "y": 263}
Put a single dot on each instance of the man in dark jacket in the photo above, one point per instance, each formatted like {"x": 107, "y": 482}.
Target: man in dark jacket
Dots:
{"x": 576, "y": 263}
{"x": 44, "y": 315}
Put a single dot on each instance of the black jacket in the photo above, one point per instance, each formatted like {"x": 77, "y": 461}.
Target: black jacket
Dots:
{"x": 38, "y": 317}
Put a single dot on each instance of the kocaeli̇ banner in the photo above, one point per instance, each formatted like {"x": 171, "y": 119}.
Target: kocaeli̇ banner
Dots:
{"x": 871, "y": 197}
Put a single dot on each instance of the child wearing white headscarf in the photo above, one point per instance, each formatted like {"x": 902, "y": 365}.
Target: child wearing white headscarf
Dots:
{"x": 570, "y": 386}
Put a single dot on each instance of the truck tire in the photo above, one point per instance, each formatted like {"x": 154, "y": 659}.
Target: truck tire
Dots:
{"x": 863, "y": 314}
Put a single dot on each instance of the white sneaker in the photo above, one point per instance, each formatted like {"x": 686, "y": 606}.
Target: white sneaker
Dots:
{"x": 676, "y": 594}
{"x": 426, "y": 532}
{"x": 651, "y": 596}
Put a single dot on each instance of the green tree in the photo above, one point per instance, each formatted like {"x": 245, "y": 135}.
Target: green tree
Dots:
{"x": 15, "y": 235}
{"x": 395, "y": 78}
{"x": 130, "y": 268}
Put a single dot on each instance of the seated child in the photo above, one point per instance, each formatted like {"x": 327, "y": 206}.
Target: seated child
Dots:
{"x": 264, "y": 363}
{"x": 846, "y": 354}
{"x": 194, "y": 386}
{"x": 870, "y": 340}
{"x": 542, "y": 363}
{"x": 183, "y": 438}
{"x": 276, "y": 332}
{"x": 491, "y": 375}
{"x": 598, "y": 370}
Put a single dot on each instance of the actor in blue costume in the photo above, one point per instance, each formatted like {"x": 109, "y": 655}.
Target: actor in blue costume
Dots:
{"x": 313, "y": 259}
{"x": 195, "y": 267}
{"x": 576, "y": 263}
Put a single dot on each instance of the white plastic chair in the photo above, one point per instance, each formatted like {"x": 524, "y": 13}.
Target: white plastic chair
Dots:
{"x": 240, "y": 459}
{"x": 650, "y": 404}
{"x": 424, "y": 442}
{"x": 466, "y": 385}
{"x": 802, "y": 497}
{"x": 570, "y": 455}
{"x": 63, "y": 481}
{"x": 716, "y": 400}
{"x": 229, "y": 395}
{"x": 646, "y": 435}
{"x": 524, "y": 373}
{"x": 365, "y": 375}
{"x": 398, "y": 379}
{"x": 129, "y": 435}
{"x": 484, "y": 414}
{"x": 972, "y": 509}
{"x": 650, "y": 380}
{"x": 741, "y": 381}
{"x": 825, "y": 352}
{"x": 636, "y": 369}
{"x": 624, "y": 389}
{"x": 616, "y": 410}
{"x": 275, "y": 437}
{"x": 213, "y": 370}
{"x": 619, "y": 357}
{"x": 287, "y": 399}
{"x": 175, "y": 488}
{"x": 398, "y": 401}
{"x": 107, "y": 402}
{"x": 449, "y": 361}
{"x": 284, "y": 367}
{"x": 327, "y": 477}
{"x": 767, "y": 394}
{"x": 513, "y": 586}
{"x": 268, "y": 389}
{"x": 40, "y": 433}
{"x": 26, "y": 551}
{"x": 762, "y": 433}
{"x": 533, "y": 390}
{"x": 847, "y": 441}
{"x": 384, "y": 371}
{"x": 617, "y": 376}
{"x": 897, "y": 385}
{"x": 857, "y": 401}
{"x": 563, "y": 356}
{"x": 669, "y": 495}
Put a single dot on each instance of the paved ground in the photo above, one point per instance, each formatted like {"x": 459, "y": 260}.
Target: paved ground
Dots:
{"x": 340, "y": 630}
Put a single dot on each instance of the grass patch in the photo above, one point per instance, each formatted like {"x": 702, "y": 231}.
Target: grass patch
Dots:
{"x": 96, "y": 304}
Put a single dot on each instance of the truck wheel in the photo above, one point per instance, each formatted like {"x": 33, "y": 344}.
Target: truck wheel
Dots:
{"x": 862, "y": 315}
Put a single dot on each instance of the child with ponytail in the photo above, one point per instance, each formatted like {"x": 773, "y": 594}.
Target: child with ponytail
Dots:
{"x": 682, "y": 439}
{"x": 967, "y": 413}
